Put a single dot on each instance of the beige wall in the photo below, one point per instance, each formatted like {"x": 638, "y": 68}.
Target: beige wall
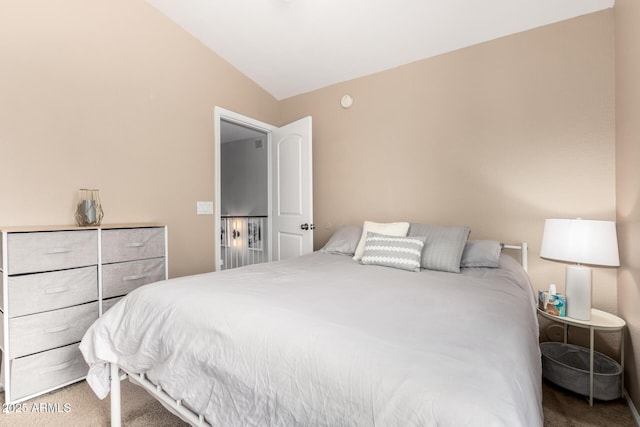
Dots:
{"x": 498, "y": 136}
{"x": 113, "y": 95}
{"x": 627, "y": 19}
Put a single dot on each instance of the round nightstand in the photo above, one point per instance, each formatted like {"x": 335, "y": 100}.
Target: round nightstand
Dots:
{"x": 602, "y": 321}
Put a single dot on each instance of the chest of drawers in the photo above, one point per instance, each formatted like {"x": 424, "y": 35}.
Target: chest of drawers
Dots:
{"x": 56, "y": 281}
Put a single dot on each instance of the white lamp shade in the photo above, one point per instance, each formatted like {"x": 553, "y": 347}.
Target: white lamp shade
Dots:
{"x": 581, "y": 241}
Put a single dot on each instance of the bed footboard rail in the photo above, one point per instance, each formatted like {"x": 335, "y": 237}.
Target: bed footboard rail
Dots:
{"x": 175, "y": 406}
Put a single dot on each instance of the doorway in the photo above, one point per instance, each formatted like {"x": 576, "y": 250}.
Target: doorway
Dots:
{"x": 244, "y": 195}
{"x": 287, "y": 230}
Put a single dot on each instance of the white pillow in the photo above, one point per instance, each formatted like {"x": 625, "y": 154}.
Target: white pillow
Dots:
{"x": 395, "y": 229}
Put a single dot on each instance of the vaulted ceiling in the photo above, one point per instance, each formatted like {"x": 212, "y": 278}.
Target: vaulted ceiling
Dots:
{"x": 290, "y": 47}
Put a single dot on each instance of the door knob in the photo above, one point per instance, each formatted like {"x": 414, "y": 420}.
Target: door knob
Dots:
{"x": 304, "y": 226}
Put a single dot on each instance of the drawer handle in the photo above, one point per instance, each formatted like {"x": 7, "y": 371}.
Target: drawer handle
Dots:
{"x": 55, "y": 251}
{"x": 59, "y": 367}
{"x": 134, "y": 245}
{"x": 56, "y": 330}
{"x": 56, "y": 290}
{"x": 133, "y": 277}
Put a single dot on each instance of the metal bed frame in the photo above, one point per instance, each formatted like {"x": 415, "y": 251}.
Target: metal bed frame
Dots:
{"x": 156, "y": 391}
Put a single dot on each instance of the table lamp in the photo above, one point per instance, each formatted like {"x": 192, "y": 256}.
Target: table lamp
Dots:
{"x": 581, "y": 242}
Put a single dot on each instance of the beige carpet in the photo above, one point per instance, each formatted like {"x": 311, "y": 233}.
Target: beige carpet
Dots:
{"x": 566, "y": 409}
{"x": 76, "y": 405}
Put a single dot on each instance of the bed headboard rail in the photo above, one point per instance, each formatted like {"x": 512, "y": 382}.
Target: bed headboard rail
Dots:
{"x": 524, "y": 253}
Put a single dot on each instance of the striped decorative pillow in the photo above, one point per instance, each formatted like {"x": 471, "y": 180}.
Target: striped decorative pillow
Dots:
{"x": 391, "y": 251}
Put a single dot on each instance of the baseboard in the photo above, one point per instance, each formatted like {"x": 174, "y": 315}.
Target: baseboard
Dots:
{"x": 632, "y": 407}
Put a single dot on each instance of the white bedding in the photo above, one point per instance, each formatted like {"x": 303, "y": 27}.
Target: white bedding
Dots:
{"x": 323, "y": 340}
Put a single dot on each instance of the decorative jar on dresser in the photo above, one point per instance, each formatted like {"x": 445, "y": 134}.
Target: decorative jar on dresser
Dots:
{"x": 56, "y": 281}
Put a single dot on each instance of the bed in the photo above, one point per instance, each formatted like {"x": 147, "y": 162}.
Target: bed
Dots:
{"x": 328, "y": 340}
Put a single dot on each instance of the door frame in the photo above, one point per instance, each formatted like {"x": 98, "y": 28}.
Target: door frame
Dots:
{"x": 231, "y": 116}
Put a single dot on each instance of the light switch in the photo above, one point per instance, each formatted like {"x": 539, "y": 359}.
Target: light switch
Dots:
{"x": 204, "y": 208}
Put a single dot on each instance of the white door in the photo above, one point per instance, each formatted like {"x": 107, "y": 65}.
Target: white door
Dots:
{"x": 292, "y": 190}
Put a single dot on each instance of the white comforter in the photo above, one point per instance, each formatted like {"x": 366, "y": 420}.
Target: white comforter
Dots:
{"x": 325, "y": 341}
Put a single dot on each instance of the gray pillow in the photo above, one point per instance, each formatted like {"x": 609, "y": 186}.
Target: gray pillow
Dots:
{"x": 443, "y": 246}
{"x": 344, "y": 241}
{"x": 393, "y": 251}
{"x": 481, "y": 253}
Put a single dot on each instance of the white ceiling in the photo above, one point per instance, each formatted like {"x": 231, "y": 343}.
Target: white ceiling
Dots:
{"x": 290, "y": 47}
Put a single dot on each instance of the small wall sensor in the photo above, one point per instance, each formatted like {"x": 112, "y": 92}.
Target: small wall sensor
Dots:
{"x": 346, "y": 101}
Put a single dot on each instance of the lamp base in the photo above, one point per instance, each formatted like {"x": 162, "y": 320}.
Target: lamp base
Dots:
{"x": 578, "y": 291}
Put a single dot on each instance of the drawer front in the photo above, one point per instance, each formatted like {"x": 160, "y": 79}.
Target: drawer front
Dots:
{"x": 44, "y": 331}
{"x": 108, "y": 303}
{"x": 121, "y": 278}
{"x": 2, "y": 285}
{"x": 1, "y": 250}
{"x": 49, "y": 369}
{"x": 34, "y": 293}
{"x": 129, "y": 244}
{"x": 2, "y": 341}
{"x": 51, "y": 250}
